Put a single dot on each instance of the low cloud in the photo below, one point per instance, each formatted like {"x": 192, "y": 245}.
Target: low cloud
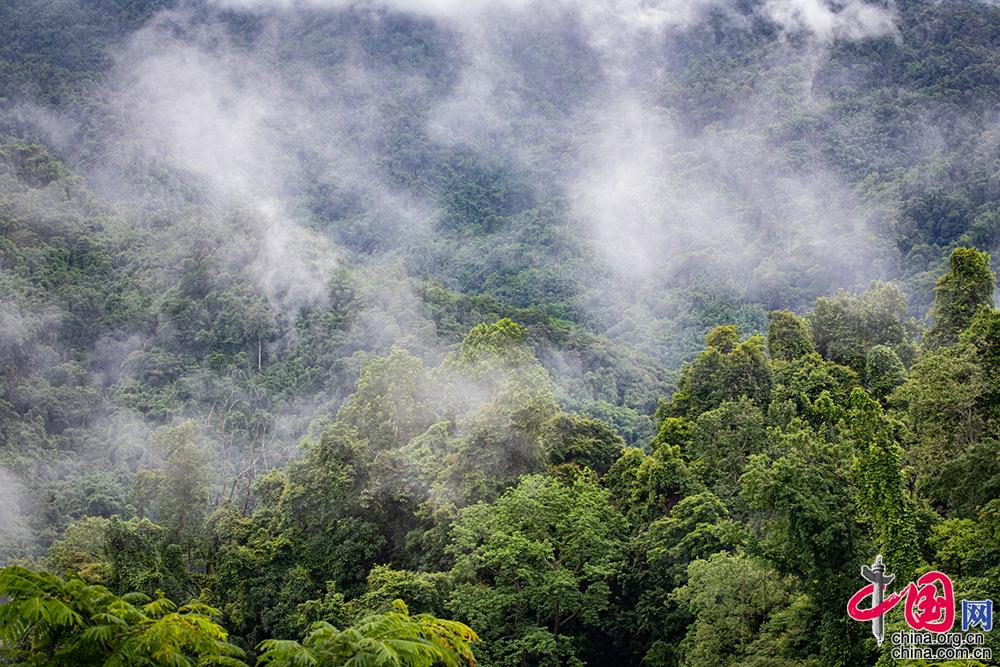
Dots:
{"x": 15, "y": 534}
{"x": 829, "y": 20}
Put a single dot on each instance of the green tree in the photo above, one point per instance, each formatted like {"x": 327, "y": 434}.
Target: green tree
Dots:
{"x": 803, "y": 512}
{"x": 970, "y": 547}
{"x": 745, "y": 613}
{"x": 942, "y": 401}
{"x": 571, "y": 440}
{"x": 535, "y": 568}
{"x": 982, "y": 338}
{"x": 817, "y": 389}
{"x": 49, "y": 622}
{"x": 847, "y": 325}
{"x": 318, "y": 505}
{"x": 965, "y": 483}
{"x": 883, "y": 371}
{"x": 177, "y": 492}
{"x": 308, "y": 529}
{"x": 500, "y": 400}
{"x": 969, "y": 550}
{"x": 950, "y": 404}
{"x": 722, "y": 441}
{"x": 141, "y": 557}
{"x": 392, "y": 401}
{"x": 504, "y": 339}
{"x": 637, "y": 428}
{"x": 724, "y": 371}
{"x": 380, "y": 640}
{"x": 788, "y": 336}
{"x": 81, "y": 551}
{"x": 967, "y": 286}
{"x": 646, "y": 486}
{"x": 696, "y": 527}
{"x": 883, "y": 504}
{"x": 803, "y": 509}
{"x": 402, "y": 480}
{"x": 239, "y": 321}
{"x": 426, "y": 591}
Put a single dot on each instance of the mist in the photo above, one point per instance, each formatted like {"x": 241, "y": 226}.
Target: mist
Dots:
{"x": 15, "y": 533}
{"x": 335, "y": 176}
{"x": 493, "y": 331}
{"x": 277, "y": 161}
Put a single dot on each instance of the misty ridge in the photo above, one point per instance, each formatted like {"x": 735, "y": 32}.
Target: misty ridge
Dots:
{"x": 337, "y": 302}
{"x": 276, "y": 157}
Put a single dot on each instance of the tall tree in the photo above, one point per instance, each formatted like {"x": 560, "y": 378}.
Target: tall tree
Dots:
{"x": 803, "y": 515}
{"x": 535, "y": 569}
{"x": 392, "y": 400}
{"x": 724, "y": 371}
{"x": 788, "y": 335}
{"x": 967, "y": 286}
{"x": 178, "y": 491}
{"x": 845, "y": 326}
{"x": 500, "y": 399}
{"x": 571, "y": 440}
{"x": 883, "y": 504}
{"x": 722, "y": 440}
{"x": 745, "y": 613}
{"x": 883, "y": 371}
{"x": 696, "y": 527}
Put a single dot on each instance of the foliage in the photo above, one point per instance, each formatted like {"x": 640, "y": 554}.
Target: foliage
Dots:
{"x": 788, "y": 336}
{"x": 883, "y": 371}
{"x": 725, "y": 370}
{"x": 646, "y": 486}
{"x": 391, "y": 638}
{"x": 847, "y": 325}
{"x": 177, "y": 491}
{"x": 581, "y": 441}
{"x": 462, "y": 413}
{"x": 722, "y": 441}
{"x": 390, "y": 405}
{"x": 49, "y": 621}
{"x": 697, "y": 527}
{"x": 802, "y": 516}
{"x": 770, "y": 478}
{"x": 882, "y": 499}
{"x": 816, "y": 387}
{"x": 743, "y": 611}
{"x": 959, "y": 293}
{"x": 506, "y": 397}
{"x": 536, "y": 567}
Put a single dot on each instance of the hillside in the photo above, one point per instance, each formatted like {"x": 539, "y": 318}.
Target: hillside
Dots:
{"x": 622, "y": 332}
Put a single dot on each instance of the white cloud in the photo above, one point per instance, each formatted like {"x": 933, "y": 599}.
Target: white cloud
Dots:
{"x": 829, "y": 20}
{"x": 15, "y": 533}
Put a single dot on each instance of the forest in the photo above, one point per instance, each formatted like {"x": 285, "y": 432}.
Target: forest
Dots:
{"x": 385, "y": 333}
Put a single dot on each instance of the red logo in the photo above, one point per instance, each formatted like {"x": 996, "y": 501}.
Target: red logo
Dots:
{"x": 928, "y": 602}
